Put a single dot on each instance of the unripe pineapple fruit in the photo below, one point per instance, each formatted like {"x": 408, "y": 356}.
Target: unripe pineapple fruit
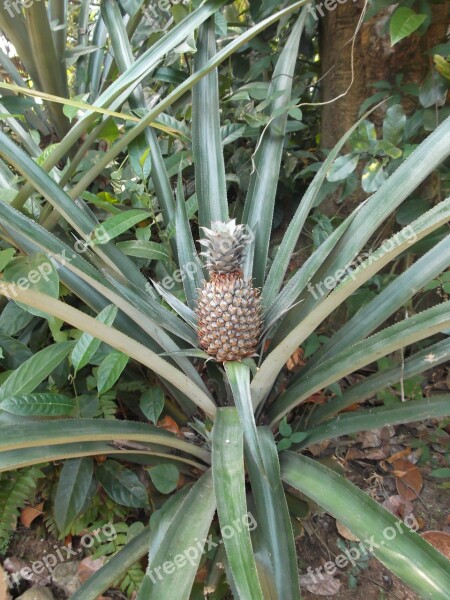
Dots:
{"x": 228, "y": 308}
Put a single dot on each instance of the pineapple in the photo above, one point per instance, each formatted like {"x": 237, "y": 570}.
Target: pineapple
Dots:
{"x": 228, "y": 309}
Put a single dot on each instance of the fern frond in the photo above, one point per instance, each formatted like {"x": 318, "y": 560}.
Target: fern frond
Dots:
{"x": 15, "y": 490}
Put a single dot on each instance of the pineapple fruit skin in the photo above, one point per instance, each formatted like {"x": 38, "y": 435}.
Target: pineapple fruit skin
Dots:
{"x": 229, "y": 317}
{"x": 228, "y": 306}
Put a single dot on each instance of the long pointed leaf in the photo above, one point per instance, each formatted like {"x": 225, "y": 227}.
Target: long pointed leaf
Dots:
{"x": 418, "y": 327}
{"x": 114, "y": 338}
{"x": 325, "y": 304}
{"x": 274, "y": 521}
{"x": 229, "y": 487}
{"x": 184, "y": 537}
{"x": 376, "y": 418}
{"x": 428, "y": 358}
{"x": 206, "y": 138}
{"x": 405, "y": 553}
{"x": 258, "y": 209}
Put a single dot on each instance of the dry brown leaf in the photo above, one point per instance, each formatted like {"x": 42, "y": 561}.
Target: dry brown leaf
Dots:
{"x": 30, "y": 513}
{"x": 440, "y": 540}
{"x": 169, "y": 424}
{"x": 351, "y": 408}
{"x": 402, "y": 454}
{"x": 296, "y": 360}
{"x": 354, "y": 454}
{"x": 318, "y": 449}
{"x": 201, "y": 575}
{"x": 398, "y": 506}
{"x": 317, "y": 398}
{"x": 409, "y": 479}
{"x": 321, "y": 584}
{"x": 88, "y": 567}
{"x": 345, "y": 532}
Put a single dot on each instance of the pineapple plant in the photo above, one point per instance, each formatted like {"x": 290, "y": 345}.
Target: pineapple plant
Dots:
{"x": 229, "y": 309}
{"x": 233, "y": 464}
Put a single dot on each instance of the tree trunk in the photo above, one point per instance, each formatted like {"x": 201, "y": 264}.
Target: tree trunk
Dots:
{"x": 374, "y": 60}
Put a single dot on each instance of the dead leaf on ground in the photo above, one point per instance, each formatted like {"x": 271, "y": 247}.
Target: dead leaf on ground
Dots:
{"x": 321, "y": 584}
{"x": 317, "y": 398}
{"x": 169, "y": 425}
{"x": 398, "y": 506}
{"x": 30, "y": 513}
{"x": 88, "y": 567}
{"x": 345, "y": 532}
{"x": 296, "y": 361}
{"x": 402, "y": 454}
{"x": 409, "y": 479}
{"x": 440, "y": 540}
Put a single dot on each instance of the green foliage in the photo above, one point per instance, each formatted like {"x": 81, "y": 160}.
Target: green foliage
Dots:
{"x": 16, "y": 489}
{"x": 232, "y": 117}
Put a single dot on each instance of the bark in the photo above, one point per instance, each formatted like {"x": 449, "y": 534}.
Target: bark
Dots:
{"x": 374, "y": 60}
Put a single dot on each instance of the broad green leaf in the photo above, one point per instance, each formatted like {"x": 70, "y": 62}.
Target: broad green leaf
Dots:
{"x": 38, "y": 405}
{"x": 394, "y": 124}
{"x": 413, "y": 410}
{"x": 229, "y": 487}
{"x": 274, "y": 523}
{"x": 239, "y": 378}
{"x": 115, "y": 338}
{"x": 343, "y": 167}
{"x": 87, "y": 345}
{"x": 177, "y": 545}
{"x": 206, "y": 137}
{"x": 121, "y": 484}
{"x": 14, "y": 318}
{"x": 35, "y": 370}
{"x": 35, "y": 272}
{"x": 6, "y": 257}
{"x": 117, "y": 224}
{"x": 404, "y": 21}
{"x": 152, "y": 403}
{"x": 72, "y": 490}
{"x": 110, "y": 370}
{"x": 260, "y": 199}
{"x": 390, "y": 540}
{"x": 187, "y": 256}
{"x": 75, "y": 431}
{"x": 164, "y": 477}
{"x": 373, "y": 176}
{"x": 441, "y": 473}
{"x": 417, "y": 363}
{"x": 350, "y": 359}
{"x": 14, "y": 352}
{"x": 118, "y": 564}
{"x": 144, "y": 249}
{"x": 140, "y": 158}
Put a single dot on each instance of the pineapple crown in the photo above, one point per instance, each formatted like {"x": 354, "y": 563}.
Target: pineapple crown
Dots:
{"x": 225, "y": 244}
